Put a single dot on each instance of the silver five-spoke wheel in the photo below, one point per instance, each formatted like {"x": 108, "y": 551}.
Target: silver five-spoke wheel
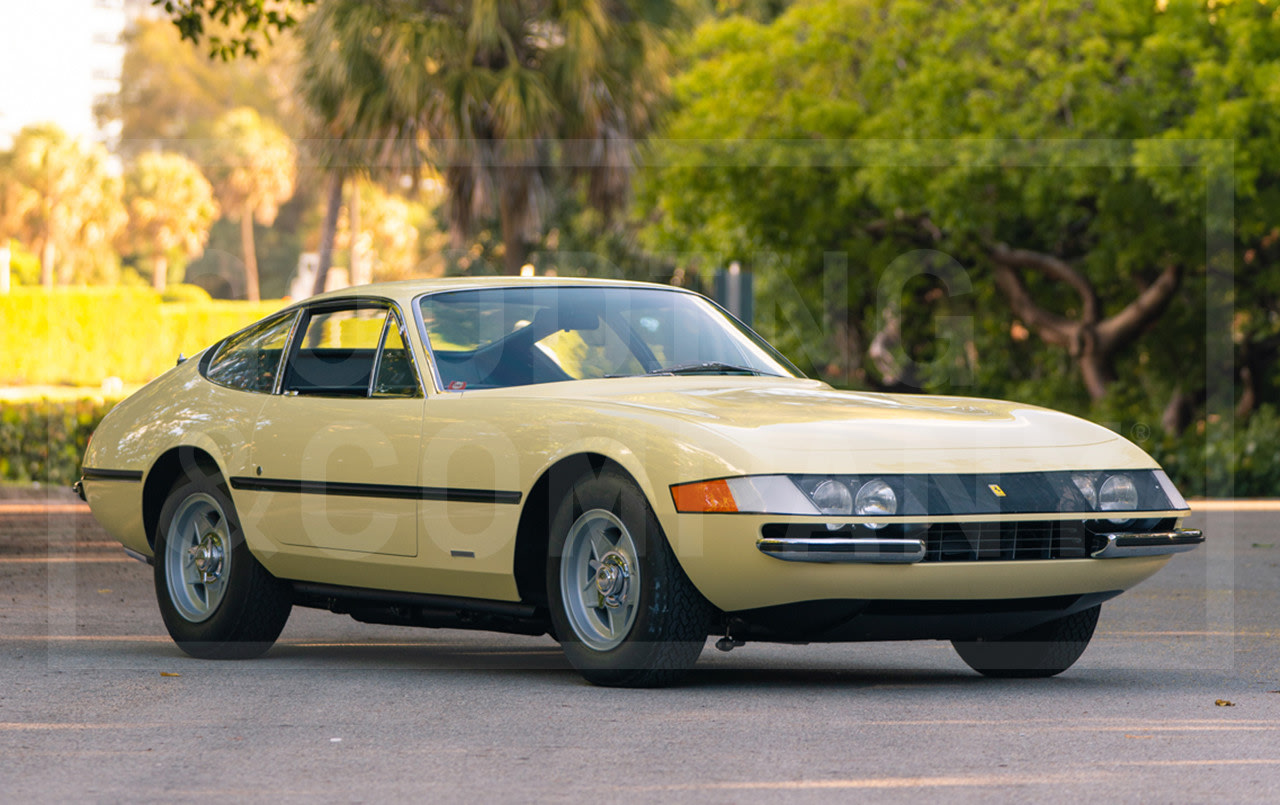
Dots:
{"x": 600, "y": 579}
{"x": 198, "y": 557}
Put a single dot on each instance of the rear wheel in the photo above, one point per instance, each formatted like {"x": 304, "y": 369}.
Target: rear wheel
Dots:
{"x": 624, "y": 610}
{"x": 217, "y": 601}
{"x": 1046, "y": 650}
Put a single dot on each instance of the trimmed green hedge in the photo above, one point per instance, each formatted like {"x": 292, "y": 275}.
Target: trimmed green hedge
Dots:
{"x": 44, "y": 441}
{"x": 80, "y": 336}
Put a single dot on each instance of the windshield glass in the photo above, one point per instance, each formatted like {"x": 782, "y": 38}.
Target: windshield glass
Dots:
{"x": 497, "y": 337}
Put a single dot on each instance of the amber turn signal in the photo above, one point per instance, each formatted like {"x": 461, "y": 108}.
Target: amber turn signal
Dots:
{"x": 704, "y": 496}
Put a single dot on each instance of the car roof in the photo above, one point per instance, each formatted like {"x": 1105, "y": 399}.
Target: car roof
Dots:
{"x": 405, "y": 290}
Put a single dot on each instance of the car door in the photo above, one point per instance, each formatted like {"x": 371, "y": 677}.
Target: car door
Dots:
{"x": 335, "y": 454}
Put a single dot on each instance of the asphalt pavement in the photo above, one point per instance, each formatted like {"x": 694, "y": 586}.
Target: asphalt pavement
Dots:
{"x": 1176, "y": 700}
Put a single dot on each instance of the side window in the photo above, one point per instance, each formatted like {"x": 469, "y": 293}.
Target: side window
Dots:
{"x": 395, "y": 376}
{"x": 335, "y": 355}
{"x": 250, "y": 360}
{"x": 352, "y": 352}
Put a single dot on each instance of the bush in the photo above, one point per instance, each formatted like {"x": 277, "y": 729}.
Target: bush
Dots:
{"x": 45, "y": 441}
{"x": 185, "y": 293}
{"x": 1221, "y": 458}
{"x": 80, "y": 336}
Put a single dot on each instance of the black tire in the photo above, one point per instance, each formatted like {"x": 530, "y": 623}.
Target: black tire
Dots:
{"x": 241, "y": 612}
{"x": 1044, "y": 651}
{"x": 662, "y": 620}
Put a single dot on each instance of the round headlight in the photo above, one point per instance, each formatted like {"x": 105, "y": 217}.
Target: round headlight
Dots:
{"x": 1088, "y": 490}
{"x": 833, "y": 497}
{"x": 1118, "y": 494}
{"x": 875, "y": 497}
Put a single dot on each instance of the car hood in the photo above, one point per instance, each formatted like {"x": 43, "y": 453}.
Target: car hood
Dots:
{"x": 803, "y": 424}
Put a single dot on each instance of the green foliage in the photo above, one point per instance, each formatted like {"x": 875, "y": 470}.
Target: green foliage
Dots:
{"x": 1223, "y": 458}
{"x": 235, "y": 24}
{"x": 872, "y": 129}
{"x": 503, "y": 95}
{"x": 82, "y": 336}
{"x": 43, "y": 441}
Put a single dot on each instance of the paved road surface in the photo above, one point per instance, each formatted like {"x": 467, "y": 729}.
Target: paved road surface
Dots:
{"x": 97, "y": 705}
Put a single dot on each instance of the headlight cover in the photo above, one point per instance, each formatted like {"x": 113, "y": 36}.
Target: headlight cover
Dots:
{"x": 1118, "y": 494}
{"x": 888, "y": 495}
{"x": 876, "y": 498}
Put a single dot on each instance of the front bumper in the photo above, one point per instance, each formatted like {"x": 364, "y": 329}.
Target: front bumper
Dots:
{"x": 872, "y": 550}
{"x": 1153, "y": 544}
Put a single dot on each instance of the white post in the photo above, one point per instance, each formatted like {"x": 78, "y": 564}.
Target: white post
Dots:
{"x": 4, "y": 267}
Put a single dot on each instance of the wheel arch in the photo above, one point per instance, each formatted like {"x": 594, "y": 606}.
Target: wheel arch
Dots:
{"x": 530, "y": 562}
{"x": 171, "y": 465}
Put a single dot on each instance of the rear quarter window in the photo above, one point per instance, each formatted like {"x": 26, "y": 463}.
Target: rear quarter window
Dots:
{"x": 250, "y": 360}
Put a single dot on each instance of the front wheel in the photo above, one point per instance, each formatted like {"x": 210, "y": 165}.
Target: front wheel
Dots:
{"x": 217, "y": 601}
{"x": 1046, "y": 650}
{"x": 623, "y": 608}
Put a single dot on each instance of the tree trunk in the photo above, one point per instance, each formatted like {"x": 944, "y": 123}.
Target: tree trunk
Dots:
{"x": 333, "y": 206}
{"x": 47, "y": 251}
{"x": 1096, "y": 369}
{"x": 160, "y": 273}
{"x": 46, "y": 262}
{"x": 250, "y": 257}
{"x": 361, "y": 272}
{"x": 514, "y": 249}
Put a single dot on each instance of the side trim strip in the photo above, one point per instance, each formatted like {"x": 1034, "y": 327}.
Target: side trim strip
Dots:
{"x": 95, "y": 474}
{"x": 393, "y": 491}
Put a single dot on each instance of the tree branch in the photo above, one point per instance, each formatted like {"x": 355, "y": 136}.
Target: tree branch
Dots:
{"x": 1053, "y": 268}
{"x": 1141, "y": 311}
{"x": 1051, "y": 327}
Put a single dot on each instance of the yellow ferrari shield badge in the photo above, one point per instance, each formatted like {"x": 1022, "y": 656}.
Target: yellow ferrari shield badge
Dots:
{"x": 996, "y": 490}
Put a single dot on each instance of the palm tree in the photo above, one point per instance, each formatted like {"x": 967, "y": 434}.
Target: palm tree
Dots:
{"x": 171, "y": 208}
{"x": 254, "y": 167}
{"x": 502, "y": 90}
{"x": 360, "y": 126}
{"x": 58, "y": 195}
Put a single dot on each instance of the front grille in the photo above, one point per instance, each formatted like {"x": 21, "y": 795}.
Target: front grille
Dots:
{"x": 993, "y": 542}
{"x": 981, "y": 542}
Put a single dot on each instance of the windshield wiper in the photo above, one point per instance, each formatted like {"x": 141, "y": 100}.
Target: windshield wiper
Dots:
{"x": 705, "y": 368}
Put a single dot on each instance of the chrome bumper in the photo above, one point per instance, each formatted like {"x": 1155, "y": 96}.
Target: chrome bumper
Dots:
{"x": 909, "y": 551}
{"x": 1155, "y": 544}
{"x": 864, "y": 551}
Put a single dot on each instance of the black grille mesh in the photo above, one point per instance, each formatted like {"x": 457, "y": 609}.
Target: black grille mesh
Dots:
{"x": 990, "y": 542}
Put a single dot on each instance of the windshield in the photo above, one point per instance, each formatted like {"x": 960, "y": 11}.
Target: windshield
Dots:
{"x": 498, "y": 337}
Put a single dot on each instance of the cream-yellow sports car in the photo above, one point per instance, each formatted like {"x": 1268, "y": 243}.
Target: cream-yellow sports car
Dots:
{"x": 621, "y": 465}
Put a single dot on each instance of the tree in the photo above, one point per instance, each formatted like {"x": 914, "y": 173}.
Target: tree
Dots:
{"x": 502, "y": 91}
{"x": 361, "y": 126}
{"x": 254, "y": 166}
{"x": 389, "y": 236}
{"x": 171, "y": 208}
{"x": 58, "y": 195}
{"x": 1042, "y": 145}
{"x": 171, "y": 94}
